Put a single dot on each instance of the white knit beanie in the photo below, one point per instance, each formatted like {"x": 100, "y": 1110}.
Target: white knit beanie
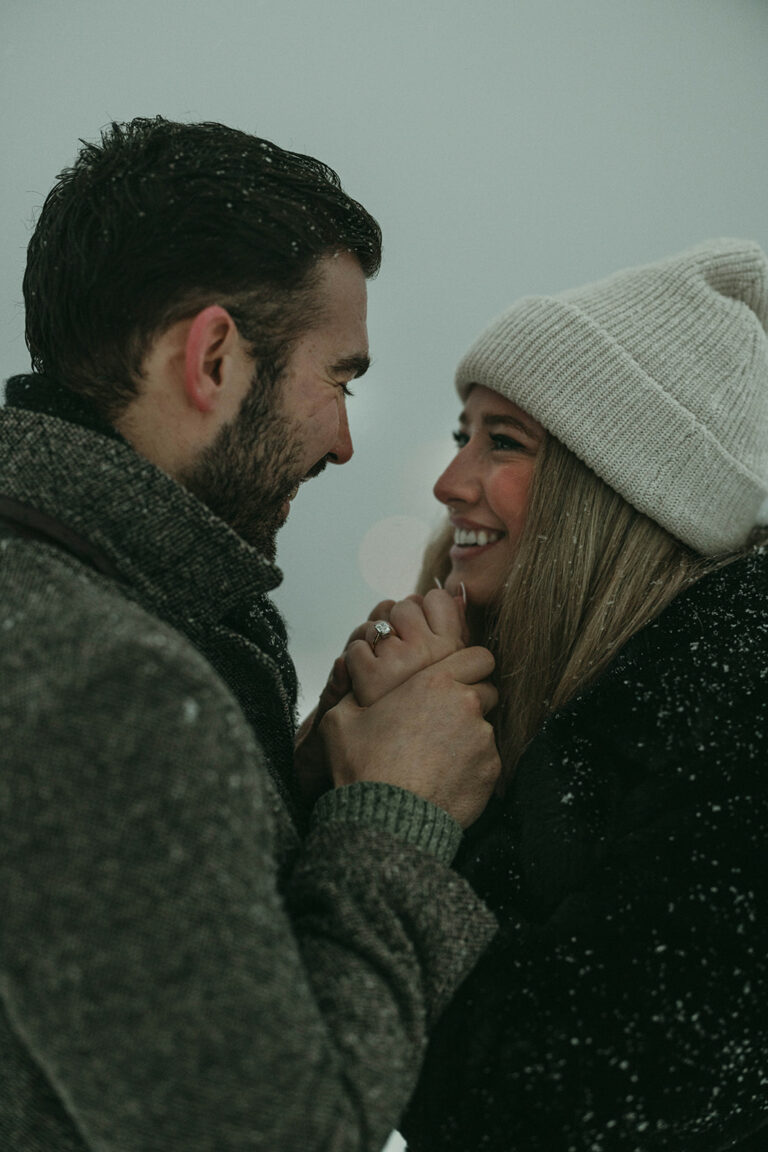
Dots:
{"x": 657, "y": 378}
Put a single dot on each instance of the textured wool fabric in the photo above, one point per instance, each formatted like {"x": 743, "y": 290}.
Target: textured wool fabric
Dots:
{"x": 623, "y": 1006}
{"x": 178, "y": 969}
{"x": 657, "y": 378}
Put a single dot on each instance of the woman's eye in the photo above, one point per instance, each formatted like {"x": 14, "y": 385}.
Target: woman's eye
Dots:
{"x": 505, "y": 443}
{"x": 346, "y": 388}
{"x": 499, "y": 442}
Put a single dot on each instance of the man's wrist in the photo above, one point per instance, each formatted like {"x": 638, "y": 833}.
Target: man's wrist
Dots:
{"x": 411, "y": 818}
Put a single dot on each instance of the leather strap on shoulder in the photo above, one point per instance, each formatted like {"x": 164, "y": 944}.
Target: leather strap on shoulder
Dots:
{"x": 31, "y": 523}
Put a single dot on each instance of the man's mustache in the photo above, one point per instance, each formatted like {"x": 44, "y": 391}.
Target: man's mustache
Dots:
{"x": 316, "y": 469}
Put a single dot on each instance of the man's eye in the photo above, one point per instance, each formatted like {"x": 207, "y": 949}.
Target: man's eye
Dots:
{"x": 460, "y": 439}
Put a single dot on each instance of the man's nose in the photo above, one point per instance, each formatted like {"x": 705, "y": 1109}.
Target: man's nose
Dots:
{"x": 343, "y": 449}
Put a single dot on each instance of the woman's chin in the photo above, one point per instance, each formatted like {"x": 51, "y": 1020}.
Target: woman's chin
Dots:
{"x": 477, "y": 594}
{"x": 452, "y": 584}
{"x": 482, "y": 570}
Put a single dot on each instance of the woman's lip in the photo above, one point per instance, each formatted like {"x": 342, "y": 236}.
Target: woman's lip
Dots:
{"x": 470, "y": 551}
{"x": 471, "y": 526}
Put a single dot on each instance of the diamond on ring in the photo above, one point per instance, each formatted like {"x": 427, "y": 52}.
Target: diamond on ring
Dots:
{"x": 381, "y": 629}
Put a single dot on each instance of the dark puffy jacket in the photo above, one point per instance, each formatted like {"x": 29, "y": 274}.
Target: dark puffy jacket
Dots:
{"x": 624, "y": 1005}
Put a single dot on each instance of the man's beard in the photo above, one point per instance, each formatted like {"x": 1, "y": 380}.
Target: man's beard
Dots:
{"x": 252, "y": 467}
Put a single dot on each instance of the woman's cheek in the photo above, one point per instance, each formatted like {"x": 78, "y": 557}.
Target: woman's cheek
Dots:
{"x": 508, "y": 495}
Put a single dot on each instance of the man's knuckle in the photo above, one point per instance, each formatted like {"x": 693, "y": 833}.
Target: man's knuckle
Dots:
{"x": 473, "y": 703}
{"x": 489, "y": 774}
{"x": 329, "y": 724}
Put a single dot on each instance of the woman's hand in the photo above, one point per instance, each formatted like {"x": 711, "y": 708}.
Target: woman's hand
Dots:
{"x": 425, "y": 629}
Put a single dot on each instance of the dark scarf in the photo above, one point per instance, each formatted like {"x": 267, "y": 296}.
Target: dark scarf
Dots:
{"x": 256, "y": 623}
{"x": 35, "y": 392}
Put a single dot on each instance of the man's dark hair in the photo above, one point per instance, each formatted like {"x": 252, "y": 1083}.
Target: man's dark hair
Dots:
{"x": 161, "y": 219}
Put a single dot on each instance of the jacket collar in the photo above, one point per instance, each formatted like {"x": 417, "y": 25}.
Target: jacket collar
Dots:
{"x": 58, "y": 455}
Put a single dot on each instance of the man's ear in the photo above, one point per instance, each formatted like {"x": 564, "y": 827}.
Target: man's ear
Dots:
{"x": 208, "y": 356}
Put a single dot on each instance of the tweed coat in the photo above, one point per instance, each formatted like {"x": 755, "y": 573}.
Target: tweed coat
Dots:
{"x": 179, "y": 969}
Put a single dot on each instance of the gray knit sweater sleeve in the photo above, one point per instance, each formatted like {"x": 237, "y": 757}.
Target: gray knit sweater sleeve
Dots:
{"x": 161, "y": 985}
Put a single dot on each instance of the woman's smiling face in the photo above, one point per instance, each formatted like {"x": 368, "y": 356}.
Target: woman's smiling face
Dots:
{"x": 485, "y": 489}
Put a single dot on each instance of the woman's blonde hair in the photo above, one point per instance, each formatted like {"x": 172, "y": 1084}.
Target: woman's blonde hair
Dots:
{"x": 589, "y": 572}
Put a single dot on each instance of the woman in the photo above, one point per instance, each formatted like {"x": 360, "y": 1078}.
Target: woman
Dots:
{"x": 604, "y": 505}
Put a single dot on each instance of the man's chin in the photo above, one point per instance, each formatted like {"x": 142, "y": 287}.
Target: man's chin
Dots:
{"x": 265, "y": 543}
{"x": 261, "y": 533}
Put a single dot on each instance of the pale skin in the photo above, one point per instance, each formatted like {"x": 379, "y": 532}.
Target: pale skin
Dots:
{"x": 432, "y": 739}
{"x": 485, "y": 490}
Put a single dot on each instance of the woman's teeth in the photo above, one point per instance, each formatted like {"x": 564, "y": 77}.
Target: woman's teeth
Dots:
{"x": 464, "y": 538}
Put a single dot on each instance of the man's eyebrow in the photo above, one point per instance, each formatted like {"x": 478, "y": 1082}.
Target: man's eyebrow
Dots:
{"x": 493, "y": 418}
{"x": 355, "y": 366}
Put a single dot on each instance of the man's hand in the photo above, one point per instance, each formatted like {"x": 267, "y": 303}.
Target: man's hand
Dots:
{"x": 429, "y": 735}
{"x": 426, "y": 630}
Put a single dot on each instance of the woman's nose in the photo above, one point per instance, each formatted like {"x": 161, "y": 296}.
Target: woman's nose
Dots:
{"x": 458, "y": 483}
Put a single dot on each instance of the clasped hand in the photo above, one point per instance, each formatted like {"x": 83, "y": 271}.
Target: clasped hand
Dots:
{"x": 411, "y": 712}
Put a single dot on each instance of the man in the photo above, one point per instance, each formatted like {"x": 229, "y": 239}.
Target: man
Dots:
{"x": 187, "y": 959}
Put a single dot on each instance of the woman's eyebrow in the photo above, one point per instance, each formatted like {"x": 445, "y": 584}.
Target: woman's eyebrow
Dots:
{"x": 489, "y": 419}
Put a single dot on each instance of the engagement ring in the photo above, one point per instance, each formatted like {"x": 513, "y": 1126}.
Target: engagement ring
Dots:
{"x": 382, "y": 629}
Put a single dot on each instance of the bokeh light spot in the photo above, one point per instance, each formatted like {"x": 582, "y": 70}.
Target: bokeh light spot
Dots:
{"x": 390, "y": 554}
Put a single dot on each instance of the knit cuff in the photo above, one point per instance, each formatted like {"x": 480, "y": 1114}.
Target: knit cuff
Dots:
{"x": 406, "y": 815}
